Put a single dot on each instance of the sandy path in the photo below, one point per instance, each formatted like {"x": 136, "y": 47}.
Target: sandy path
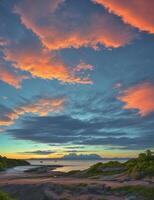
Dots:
{"x": 60, "y": 180}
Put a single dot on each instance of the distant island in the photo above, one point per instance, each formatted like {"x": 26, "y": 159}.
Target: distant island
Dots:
{"x": 74, "y": 156}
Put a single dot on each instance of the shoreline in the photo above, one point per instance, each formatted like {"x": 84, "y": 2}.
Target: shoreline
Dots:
{"x": 41, "y": 173}
{"x": 44, "y": 181}
{"x": 49, "y": 184}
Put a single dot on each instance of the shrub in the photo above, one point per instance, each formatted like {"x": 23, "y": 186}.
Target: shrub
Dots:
{"x": 6, "y": 163}
{"x": 4, "y": 196}
{"x": 141, "y": 166}
{"x": 147, "y": 192}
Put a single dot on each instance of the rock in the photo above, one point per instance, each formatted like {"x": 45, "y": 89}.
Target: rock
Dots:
{"x": 118, "y": 194}
{"x": 58, "y": 189}
{"x": 48, "y": 195}
{"x": 131, "y": 198}
{"x": 94, "y": 189}
{"x": 90, "y": 198}
{"x": 107, "y": 193}
{"x": 108, "y": 188}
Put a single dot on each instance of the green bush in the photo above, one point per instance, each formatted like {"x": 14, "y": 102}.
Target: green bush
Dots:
{"x": 97, "y": 169}
{"x": 147, "y": 192}
{"x": 4, "y": 196}
{"x": 136, "y": 168}
{"x": 141, "y": 166}
{"x": 6, "y": 163}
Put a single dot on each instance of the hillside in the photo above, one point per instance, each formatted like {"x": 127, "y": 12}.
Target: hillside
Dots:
{"x": 5, "y": 196}
{"x": 141, "y": 166}
{"x": 136, "y": 168}
{"x": 7, "y": 163}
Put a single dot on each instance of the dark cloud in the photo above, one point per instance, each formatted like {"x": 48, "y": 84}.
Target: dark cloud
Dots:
{"x": 76, "y": 151}
{"x": 65, "y": 129}
{"x": 124, "y": 143}
{"x": 39, "y": 152}
{"x": 41, "y": 106}
{"x": 5, "y": 117}
{"x": 74, "y": 147}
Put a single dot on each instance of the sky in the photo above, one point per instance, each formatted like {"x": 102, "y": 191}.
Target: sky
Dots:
{"x": 76, "y": 77}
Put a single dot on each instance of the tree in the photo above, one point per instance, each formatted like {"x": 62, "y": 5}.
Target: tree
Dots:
{"x": 142, "y": 156}
{"x": 148, "y": 153}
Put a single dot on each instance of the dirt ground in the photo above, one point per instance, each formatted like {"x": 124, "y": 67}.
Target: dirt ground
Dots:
{"x": 27, "y": 186}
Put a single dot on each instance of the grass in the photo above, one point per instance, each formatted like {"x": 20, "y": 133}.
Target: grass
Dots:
{"x": 64, "y": 198}
{"x": 7, "y": 163}
{"x": 135, "y": 168}
{"x": 4, "y": 196}
{"x": 97, "y": 169}
{"x": 147, "y": 192}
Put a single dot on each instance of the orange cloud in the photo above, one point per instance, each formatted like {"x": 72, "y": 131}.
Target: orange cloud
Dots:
{"x": 28, "y": 54}
{"x": 83, "y": 66}
{"x": 139, "y": 97}
{"x": 41, "y": 107}
{"x": 37, "y": 56}
{"x": 65, "y": 31}
{"x": 44, "y": 64}
{"x": 11, "y": 78}
{"x": 138, "y": 13}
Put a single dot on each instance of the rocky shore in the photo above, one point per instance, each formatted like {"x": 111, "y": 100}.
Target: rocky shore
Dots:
{"x": 132, "y": 180}
{"x": 44, "y": 184}
{"x": 82, "y": 191}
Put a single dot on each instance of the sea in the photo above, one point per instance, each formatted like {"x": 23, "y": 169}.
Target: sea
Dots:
{"x": 66, "y": 165}
{"x": 69, "y": 165}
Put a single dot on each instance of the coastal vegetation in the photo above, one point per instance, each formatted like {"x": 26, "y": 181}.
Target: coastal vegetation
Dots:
{"x": 141, "y": 166}
{"x": 8, "y": 163}
{"x": 144, "y": 191}
{"x": 109, "y": 168}
{"x": 4, "y": 196}
{"x": 136, "y": 168}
